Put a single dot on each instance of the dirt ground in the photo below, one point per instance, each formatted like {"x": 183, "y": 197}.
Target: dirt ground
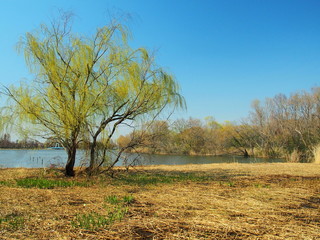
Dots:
{"x": 211, "y": 201}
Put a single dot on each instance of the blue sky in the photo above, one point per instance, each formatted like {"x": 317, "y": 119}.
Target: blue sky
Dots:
{"x": 224, "y": 53}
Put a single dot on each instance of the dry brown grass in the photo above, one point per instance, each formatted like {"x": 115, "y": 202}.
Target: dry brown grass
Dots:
{"x": 236, "y": 201}
{"x": 316, "y": 154}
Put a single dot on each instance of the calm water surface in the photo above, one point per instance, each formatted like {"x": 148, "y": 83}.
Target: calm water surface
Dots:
{"x": 57, "y": 158}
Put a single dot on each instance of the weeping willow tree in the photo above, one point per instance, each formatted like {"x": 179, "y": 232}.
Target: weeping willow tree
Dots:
{"x": 85, "y": 85}
{"x": 141, "y": 90}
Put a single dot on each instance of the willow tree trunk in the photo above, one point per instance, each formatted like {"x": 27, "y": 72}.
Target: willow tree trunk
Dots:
{"x": 69, "y": 170}
{"x": 93, "y": 147}
{"x": 245, "y": 153}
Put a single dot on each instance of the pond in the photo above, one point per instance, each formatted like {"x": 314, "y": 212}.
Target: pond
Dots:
{"x": 57, "y": 158}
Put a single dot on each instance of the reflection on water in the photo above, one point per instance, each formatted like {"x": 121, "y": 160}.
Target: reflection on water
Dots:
{"x": 35, "y": 158}
{"x": 57, "y": 158}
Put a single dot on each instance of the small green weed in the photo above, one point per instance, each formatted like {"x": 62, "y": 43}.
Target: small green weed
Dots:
{"x": 112, "y": 199}
{"x": 116, "y": 212}
{"x": 90, "y": 221}
{"x": 128, "y": 199}
{"x": 43, "y": 183}
{"x": 229, "y": 184}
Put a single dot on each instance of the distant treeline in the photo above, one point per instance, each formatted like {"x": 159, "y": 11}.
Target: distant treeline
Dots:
{"x": 279, "y": 127}
{"x": 5, "y": 142}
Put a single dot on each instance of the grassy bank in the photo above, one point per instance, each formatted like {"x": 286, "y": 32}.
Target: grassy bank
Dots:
{"x": 214, "y": 201}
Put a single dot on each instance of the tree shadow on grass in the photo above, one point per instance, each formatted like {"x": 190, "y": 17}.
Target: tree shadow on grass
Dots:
{"x": 153, "y": 177}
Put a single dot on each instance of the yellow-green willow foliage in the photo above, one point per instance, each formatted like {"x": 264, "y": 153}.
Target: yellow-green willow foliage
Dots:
{"x": 85, "y": 84}
{"x": 139, "y": 89}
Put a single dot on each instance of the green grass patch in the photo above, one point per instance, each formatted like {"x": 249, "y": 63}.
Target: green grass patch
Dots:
{"x": 5, "y": 183}
{"x": 94, "y": 221}
{"x": 43, "y": 183}
{"x": 112, "y": 199}
{"x": 128, "y": 199}
{"x": 260, "y": 185}
{"x": 228, "y": 183}
{"x": 12, "y": 222}
{"x": 115, "y": 200}
{"x": 142, "y": 179}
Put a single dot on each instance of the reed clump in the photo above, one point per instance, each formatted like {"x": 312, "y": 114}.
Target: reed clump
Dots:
{"x": 316, "y": 154}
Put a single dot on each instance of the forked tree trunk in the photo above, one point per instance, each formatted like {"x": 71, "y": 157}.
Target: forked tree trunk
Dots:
{"x": 69, "y": 171}
{"x": 92, "y": 163}
{"x": 245, "y": 153}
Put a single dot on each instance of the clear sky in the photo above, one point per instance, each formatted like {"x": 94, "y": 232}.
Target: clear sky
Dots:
{"x": 223, "y": 53}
